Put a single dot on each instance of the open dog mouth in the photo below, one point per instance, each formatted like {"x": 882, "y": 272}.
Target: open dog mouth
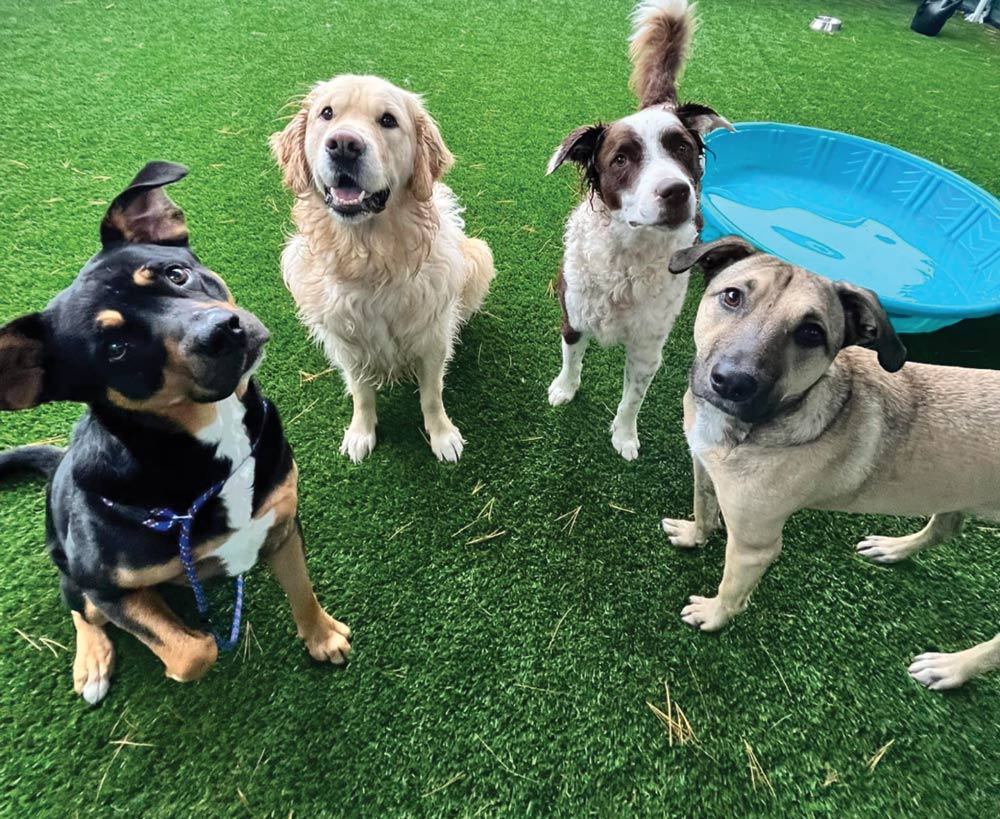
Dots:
{"x": 347, "y": 198}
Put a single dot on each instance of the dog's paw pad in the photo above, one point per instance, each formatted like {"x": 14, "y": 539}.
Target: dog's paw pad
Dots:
{"x": 357, "y": 445}
{"x": 682, "y": 533}
{"x": 562, "y": 392}
{"x": 704, "y": 613}
{"x": 448, "y": 445}
{"x": 939, "y": 672}
{"x": 330, "y": 642}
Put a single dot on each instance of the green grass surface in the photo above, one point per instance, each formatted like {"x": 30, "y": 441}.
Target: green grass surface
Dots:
{"x": 507, "y": 677}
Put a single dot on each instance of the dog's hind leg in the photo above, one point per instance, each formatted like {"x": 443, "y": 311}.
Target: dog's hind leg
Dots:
{"x": 479, "y": 273}
{"x": 943, "y": 671}
{"x": 689, "y": 534}
{"x": 939, "y": 528}
{"x": 359, "y": 437}
{"x": 641, "y": 364}
{"x": 187, "y": 654}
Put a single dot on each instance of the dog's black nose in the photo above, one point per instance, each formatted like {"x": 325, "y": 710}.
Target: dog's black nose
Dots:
{"x": 674, "y": 194}
{"x": 345, "y": 145}
{"x": 732, "y": 384}
{"x": 220, "y": 332}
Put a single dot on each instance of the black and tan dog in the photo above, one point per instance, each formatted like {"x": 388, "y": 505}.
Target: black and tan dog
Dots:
{"x": 150, "y": 340}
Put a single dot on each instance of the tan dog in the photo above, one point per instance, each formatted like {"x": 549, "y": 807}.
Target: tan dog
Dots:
{"x": 380, "y": 268}
{"x": 784, "y": 413}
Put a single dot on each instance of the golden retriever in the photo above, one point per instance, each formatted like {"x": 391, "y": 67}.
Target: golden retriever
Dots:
{"x": 380, "y": 267}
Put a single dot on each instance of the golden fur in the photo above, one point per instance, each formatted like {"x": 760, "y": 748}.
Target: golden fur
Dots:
{"x": 386, "y": 291}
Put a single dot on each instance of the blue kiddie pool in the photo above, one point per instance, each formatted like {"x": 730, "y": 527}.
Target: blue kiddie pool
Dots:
{"x": 924, "y": 239}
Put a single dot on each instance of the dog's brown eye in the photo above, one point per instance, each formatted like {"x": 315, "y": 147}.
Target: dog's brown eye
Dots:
{"x": 326, "y": 113}
{"x": 178, "y": 275}
{"x": 387, "y": 120}
{"x": 732, "y": 298}
{"x": 619, "y": 160}
{"x": 116, "y": 350}
{"x": 810, "y": 335}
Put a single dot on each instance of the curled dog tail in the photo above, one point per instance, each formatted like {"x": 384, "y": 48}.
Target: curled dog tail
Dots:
{"x": 661, "y": 38}
{"x": 479, "y": 273}
{"x": 43, "y": 459}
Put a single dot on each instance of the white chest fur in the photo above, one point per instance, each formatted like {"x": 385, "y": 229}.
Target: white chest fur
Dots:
{"x": 231, "y": 440}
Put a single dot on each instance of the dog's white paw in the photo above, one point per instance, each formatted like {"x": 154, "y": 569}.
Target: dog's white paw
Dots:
{"x": 939, "y": 672}
{"x": 879, "y": 549}
{"x": 704, "y": 613}
{"x": 448, "y": 444}
{"x": 683, "y": 533}
{"x": 625, "y": 440}
{"x": 357, "y": 445}
{"x": 329, "y": 641}
{"x": 562, "y": 391}
{"x": 92, "y": 670}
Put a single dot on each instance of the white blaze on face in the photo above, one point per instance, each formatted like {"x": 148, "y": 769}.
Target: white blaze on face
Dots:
{"x": 640, "y": 204}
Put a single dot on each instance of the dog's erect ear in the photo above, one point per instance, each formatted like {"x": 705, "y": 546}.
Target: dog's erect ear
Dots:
{"x": 22, "y": 363}
{"x": 432, "y": 160}
{"x": 867, "y": 325}
{"x": 580, "y": 146}
{"x": 143, "y": 213}
{"x": 711, "y": 257}
{"x": 289, "y": 149}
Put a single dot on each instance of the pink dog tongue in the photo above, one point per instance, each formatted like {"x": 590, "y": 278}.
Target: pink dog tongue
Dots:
{"x": 347, "y": 194}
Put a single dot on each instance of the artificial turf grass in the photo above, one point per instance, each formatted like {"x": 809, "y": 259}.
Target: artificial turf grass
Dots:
{"x": 460, "y": 674}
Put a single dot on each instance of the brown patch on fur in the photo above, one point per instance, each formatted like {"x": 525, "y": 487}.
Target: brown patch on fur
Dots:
{"x": 22, "y": 366}
{"x": 172, "y": 571}
{"x": 108, "y": 319}
{"x": 619, "y": 140}
{"x": 569, "y": 334}
{"x": 144, "y": 277}
{"x": 151, "y": 218}
{"x": 172, "y": 400}
{"x": 187, "y": 654}
{"x": 658, "y": 51}
{"x": 284, "y": 498}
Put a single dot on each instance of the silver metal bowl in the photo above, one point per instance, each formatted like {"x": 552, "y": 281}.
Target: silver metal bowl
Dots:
{"x": 829, "y": 25}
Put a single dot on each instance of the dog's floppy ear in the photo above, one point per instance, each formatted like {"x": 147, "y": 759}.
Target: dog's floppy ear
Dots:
{"x": 867, "y": 325}
{"x": 22, "y": 363}
{"x": 289, "y": 149}
{"x": 143, "y": 213}
{"x": 712, "y": 257}
{"x": 701, "y": 119}
{"x": 432, "y": 160}
{"x": 580, "y": 146}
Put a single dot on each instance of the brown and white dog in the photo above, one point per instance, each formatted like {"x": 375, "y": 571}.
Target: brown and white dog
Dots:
{"x": 644, "y": 178}
{"x": 380, "y": 268}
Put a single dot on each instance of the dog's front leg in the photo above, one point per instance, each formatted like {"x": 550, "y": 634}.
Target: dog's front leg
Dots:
{"x": 749, "y": 552}
{"x": 325, "y": 638}
{"x": 446, "y": 441}
{"x": 641, "y": 363}
{"x": 359, "y": 437}
{"x": 689, "y": 534}
{"x": 186, "y": 654}
{"x": 939, "y": 672}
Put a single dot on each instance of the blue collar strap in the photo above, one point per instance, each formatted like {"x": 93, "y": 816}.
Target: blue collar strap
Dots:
{"x": 164, "y": 520}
